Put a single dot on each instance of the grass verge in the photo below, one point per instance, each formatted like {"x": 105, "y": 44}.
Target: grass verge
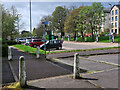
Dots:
{"x": 28, "y": 49}
{"x": 13, "y": 86}
{"x": 82, "y": 50}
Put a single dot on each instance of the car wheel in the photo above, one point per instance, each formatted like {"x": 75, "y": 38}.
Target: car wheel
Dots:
{"x": 34, "y": 45}
{"x": 57, "y": 48}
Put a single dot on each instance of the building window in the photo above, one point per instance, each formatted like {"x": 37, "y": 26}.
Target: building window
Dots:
{"x": 112, "y": 25}
{"x": 112, "y": 12}
{"x": 115, "y": 18}
{"x": 112, "y": 18}
{"x": 115, "y": 30}
{"x": 112, "y": 31}
{"x": 116, "y": 24}
{"x": 115, "y": 11}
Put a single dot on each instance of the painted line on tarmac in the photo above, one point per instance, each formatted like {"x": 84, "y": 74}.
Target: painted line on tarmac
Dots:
{"x": 14, "y": 75}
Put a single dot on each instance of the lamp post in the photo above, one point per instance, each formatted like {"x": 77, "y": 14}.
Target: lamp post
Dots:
{"x": 30, "y": 20}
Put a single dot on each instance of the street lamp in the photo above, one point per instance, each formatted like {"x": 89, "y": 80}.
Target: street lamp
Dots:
{"x": 30, "y": 20}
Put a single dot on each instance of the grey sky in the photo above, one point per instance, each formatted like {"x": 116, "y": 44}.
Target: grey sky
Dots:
{"x": 40, "y": 9}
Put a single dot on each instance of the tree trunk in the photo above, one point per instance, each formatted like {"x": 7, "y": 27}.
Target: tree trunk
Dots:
{"x": 92, "y": 35}
{"x": 82, "y": 35}
{"x": 75, "y": 35}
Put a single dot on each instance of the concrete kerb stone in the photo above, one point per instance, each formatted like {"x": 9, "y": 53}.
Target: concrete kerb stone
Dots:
{"x": 13, "y": 72}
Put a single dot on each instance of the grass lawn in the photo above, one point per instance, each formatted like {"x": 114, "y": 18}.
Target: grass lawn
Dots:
{"x": 29, "y": 49}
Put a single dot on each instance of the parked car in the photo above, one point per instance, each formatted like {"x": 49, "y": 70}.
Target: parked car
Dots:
{"x": 22, "y": 40}
{"x": 36, "y": 42}
{"x": 27, "y": 42}
{"x": 52, "y": 44}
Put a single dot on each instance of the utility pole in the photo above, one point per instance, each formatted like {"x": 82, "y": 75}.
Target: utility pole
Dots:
{"x": 30, "y": 20}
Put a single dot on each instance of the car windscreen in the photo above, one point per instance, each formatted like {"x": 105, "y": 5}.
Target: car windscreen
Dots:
{"x": 36, "y": 40}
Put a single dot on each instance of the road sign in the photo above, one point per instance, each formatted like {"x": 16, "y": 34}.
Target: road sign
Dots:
{"x": 45, "y": 23}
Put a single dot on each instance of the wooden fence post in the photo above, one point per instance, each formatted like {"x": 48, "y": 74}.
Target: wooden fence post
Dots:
{"x": 76, "y": 66}
{"x": 22, "y": 72}
{"x": 37, "y": 53}
{"x": 9, "y": 53}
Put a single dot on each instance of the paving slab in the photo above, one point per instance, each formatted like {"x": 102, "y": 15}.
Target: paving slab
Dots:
{"x": 113, "y": 58}
{"x": 107, "y": 79}
{"x": 87, "y": 65}
{"x": 61, "y": 82}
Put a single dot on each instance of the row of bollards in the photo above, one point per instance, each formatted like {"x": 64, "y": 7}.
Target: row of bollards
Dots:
{"x": 22, "y": 67}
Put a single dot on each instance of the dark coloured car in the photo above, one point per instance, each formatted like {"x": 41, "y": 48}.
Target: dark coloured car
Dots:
{"x": 36, "y": 42}
{"x": 52, "y": 44}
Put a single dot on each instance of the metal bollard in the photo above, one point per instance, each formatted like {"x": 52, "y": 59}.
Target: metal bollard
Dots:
{"x": 9, "y": 53}
{"x": 22, "y": 72}
{"x": 37, "y": 53}
{"x": 76, "y": 66}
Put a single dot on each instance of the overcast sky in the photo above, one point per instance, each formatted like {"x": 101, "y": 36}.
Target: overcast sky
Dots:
{"x": 40, "y": 8}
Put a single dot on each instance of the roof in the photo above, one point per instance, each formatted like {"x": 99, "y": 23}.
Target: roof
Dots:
{"x": 115, "y": 5}
{"x": 107, "y": 10}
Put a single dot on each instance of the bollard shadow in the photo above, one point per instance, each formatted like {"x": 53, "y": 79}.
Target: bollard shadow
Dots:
{"x": 82, "y": 78}
{"x": 33, "y": 87}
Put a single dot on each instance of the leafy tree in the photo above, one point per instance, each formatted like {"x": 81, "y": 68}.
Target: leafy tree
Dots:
{"x": 90, "y": 18}
{"x": 82, "y": 23}
{"x": 70, "y": 22}
{"x": 25, "y": 33}
{"x": 95, "y": 14}
{"x": 8, "y": 23}
{"x": 58, "y": 18}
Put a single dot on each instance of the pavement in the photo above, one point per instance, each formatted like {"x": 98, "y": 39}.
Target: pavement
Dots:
{"x": 46, "y": 74}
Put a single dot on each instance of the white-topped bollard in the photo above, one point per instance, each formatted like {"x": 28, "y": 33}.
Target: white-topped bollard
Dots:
{"x": 76, "y": 66}
{"x": 37, "y": 53}
{"x": 22, "y": 72}
{"x": 9, "y": 53}
{"x": 113, "y": 38}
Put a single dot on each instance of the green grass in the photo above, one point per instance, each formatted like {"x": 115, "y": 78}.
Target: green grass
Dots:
{"x": 82, "y": 50}
{"x": 29, "y": 49}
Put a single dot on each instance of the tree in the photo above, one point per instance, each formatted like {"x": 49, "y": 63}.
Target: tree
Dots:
{"x": 8, "y": 23}
{"x": 70, "y": 22}
{"x": 90, "y": 18}
{"x": 25, "y": 33}
{"x": 34, "y": 32}
{"x": 95, "y": 14}
{"x": 58, "y": 18}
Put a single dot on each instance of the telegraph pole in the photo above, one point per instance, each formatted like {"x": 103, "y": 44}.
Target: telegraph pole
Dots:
{"x": 30, "y": 20}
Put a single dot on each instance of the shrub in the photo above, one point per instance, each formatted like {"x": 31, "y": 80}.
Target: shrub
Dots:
{"x": 10, "y": 42}
{"x": 4, "y": 50}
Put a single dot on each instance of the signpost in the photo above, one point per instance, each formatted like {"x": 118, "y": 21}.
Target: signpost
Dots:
{"x": 45, "y": 23}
